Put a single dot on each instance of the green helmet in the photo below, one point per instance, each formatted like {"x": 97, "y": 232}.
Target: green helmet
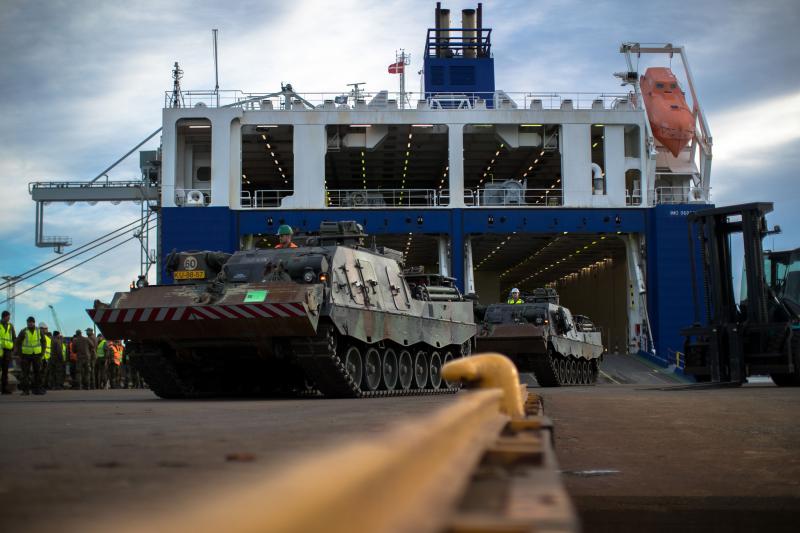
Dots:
{"x": 285, "y": 229}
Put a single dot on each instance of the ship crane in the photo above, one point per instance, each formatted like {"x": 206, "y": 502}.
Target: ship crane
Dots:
{"x": 55, "y": 318}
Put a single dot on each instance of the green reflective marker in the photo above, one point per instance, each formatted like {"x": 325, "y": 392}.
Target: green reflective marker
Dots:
{"x": 255, "y": 296}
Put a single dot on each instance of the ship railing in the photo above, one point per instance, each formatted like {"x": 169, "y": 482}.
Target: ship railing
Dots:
{"x": 469, "y": 197}
{"x": 679, "y": 195}
{"x": 546, "y": 197}
{"x": 389, "y": 100}
{"x": 633, "y": 197}
{"x": 381, "y": 198}
{"x": 190, "y": 197}
{"x": 264, "y": 197}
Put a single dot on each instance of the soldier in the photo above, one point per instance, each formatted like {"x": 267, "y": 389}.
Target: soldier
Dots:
{"x": 115, "y": 360}
{"x": 57, "y": 371}
{"x": 514, "y": 298}
{"x": 285, "y": 233}
{"x": 101, "y": 363}
{"x": 82, "y": 347}
{"x": 7, "y": 335}
{"x": 48, "y": 341}
{"x": 31, "y": 345}
{"x": 92, "y": 356}
{"x": 73, "y": 365}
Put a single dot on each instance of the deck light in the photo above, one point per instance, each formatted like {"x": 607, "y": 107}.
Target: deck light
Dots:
{"x": 360, "y": 125}
{"x": 263, "y": 136}
{"x": 199, "y": 127}
{"x": 420, "y": 126}
{"x": 530, "y": 125}
{"x": 266, "y": 126}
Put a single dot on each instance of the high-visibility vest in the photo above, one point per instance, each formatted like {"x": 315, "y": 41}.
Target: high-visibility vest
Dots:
{"x": 513, "y": 301}
{"x": 117, "y": 349}
{"x": 101, "y": 349}
{"x": 6, "y": 340}
{"x": 32, "y": 342}
{"x": 48, "y": 344}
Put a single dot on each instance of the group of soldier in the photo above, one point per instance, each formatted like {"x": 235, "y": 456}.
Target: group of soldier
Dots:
{"x": 92, "y": 362}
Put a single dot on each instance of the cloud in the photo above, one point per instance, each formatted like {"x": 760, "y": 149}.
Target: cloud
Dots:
{"x": 752, "y": 136}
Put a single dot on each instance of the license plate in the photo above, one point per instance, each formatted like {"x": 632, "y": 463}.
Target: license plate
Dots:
{"x": 189, "y": 274}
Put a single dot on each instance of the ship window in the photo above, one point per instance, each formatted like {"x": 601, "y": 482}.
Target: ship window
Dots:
{"x": 203, "y": 174}
{"x": 659, "y": 85}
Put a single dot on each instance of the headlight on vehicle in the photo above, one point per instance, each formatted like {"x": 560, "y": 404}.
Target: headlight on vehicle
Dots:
{"x": 309, "y": 276}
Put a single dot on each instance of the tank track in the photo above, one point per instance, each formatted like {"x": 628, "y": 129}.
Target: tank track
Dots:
{"x": 318, "y": 358}
{"x": 551, "y": 371}
{"x": 161, "y": 375}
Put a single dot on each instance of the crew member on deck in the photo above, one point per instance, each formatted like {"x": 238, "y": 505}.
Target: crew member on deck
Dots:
{"x": 514, "y": 298}
{"x": 285, "y": 233}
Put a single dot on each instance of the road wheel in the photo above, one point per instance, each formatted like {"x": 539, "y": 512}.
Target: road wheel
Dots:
{"x": 389, "y": 369}
{"x": 420, "y": 369}
{"x": 563, "y": 375}
{"x": 372, "y": 369}
{"x": 448, "y": 356}
{"x": 435, "y": 370}
{"x": 584, "y": 372}
{"x": 353, "y": 364}
{"x": 405, "y": 369}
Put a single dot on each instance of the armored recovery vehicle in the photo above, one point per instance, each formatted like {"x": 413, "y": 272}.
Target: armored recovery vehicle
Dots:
{"x": 333, "y": 316}
{"x": 543, "y": 337}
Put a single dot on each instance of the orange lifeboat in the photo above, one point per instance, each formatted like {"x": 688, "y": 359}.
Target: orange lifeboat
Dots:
{"x": 670, "y": 118}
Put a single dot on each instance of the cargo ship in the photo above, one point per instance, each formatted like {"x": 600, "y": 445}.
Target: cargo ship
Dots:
{"x": 584, "y": 192}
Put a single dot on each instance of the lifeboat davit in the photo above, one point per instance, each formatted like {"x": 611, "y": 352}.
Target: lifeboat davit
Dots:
{"x": 670, "y": 118}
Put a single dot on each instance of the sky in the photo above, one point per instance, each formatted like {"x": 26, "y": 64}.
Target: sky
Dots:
{"x": 83, "y": 81}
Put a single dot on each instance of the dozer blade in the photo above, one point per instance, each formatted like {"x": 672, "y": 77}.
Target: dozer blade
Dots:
{"x": 513, "y": 339}
{"x": 256, "y": 311}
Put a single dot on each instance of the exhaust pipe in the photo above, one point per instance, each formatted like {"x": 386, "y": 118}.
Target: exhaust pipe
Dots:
{"x": 443, "y": 35}
{"x": 469, "y": 33}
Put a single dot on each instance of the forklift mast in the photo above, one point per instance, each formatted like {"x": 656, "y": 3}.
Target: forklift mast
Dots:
{"x": 736, "y": 340}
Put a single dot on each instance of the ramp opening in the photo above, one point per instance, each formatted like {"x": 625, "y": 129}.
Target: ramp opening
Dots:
{"x": 589, "y": 271}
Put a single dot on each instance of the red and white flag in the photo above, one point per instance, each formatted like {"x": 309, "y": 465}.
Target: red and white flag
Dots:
{"x": 396, "y": 68}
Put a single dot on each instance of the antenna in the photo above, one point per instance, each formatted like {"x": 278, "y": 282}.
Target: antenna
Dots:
{"x": 216, "y": 71}
{"x": 401, "y": 60}
{"x": 177, "y": 96}
{"x": 356, "y": 92}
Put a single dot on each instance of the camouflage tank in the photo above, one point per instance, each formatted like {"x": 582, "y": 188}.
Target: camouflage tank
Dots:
{"x": 543, "y": 337}
{"x": 334, "y": 317}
